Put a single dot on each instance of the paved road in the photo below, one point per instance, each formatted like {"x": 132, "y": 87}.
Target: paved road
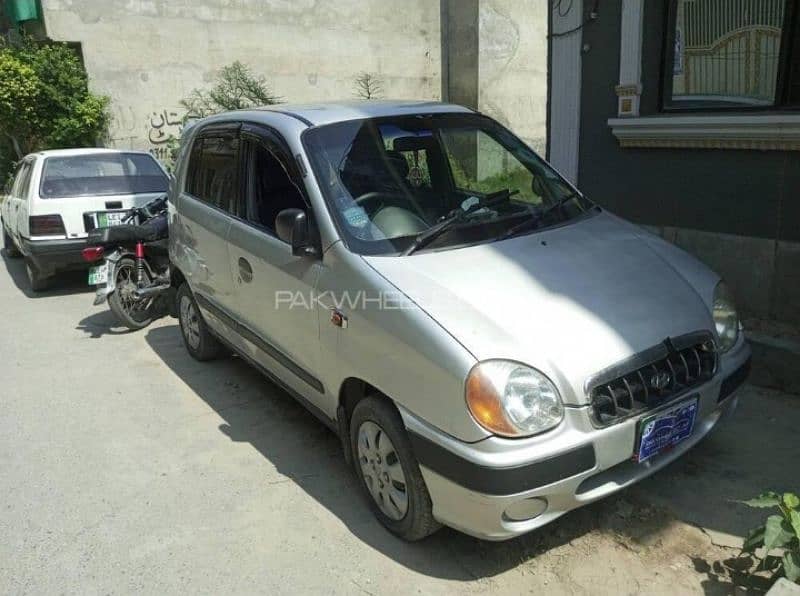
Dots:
{"x": 125, "y": 466}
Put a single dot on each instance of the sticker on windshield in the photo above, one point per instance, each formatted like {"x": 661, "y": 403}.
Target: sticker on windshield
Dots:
{"x": 467, "y": 203}
{"x": 356, "y": 217}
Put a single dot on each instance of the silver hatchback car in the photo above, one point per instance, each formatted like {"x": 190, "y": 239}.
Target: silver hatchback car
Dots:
{"x": 492, "y": 348}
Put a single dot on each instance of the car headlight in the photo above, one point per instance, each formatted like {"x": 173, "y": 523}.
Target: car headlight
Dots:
{"x": 726, "y": 320}
{"x": 511, "y": 399}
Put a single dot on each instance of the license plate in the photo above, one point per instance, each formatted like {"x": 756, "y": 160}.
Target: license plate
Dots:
{"x": 661, "y": 432}
{"x": 98, "y": 275}
{"x": 111, "y": 218}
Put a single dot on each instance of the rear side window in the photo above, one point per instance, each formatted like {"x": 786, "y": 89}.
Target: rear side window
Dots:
{"x": 212, "y": 172}
{"x": 22, "y": 181}
{"x": 101, "y": 174}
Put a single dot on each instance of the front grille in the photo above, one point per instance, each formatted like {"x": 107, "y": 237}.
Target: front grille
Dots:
{"x": 652, "y": 378}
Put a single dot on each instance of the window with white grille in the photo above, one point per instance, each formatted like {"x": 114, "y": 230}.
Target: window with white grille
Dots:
{"x": 732, "y": 53}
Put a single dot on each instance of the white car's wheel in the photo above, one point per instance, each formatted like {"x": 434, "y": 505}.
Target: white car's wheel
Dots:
{"x": 38, "y": 281}
{"x": 9, "y": 246}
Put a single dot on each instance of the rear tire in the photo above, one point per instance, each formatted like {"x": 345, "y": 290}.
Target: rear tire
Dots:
{"x": 8, "y": 243}
{"x": 388, "y": 470}
{"x": 198, "y": 339}
{"x": 122, "y": 304}
{"x": 38, "y": 281}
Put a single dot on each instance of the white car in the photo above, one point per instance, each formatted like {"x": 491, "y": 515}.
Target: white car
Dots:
{"x": 58, "y": 196}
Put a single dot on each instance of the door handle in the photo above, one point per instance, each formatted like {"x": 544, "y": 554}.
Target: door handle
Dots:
{"x": 245, "y": 270}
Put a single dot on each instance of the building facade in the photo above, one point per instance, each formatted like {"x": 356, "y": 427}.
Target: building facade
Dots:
{"x": 147, "y": 55}
{"x": 683, "y": 115}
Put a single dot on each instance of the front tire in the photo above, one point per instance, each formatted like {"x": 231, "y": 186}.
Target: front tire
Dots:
{"x": 38, "y": 281}
{"x": 388, "y": 470}
{"x": 197, "y": 338}
{"x": 8, "y": 243}
{"x": 131, "y": 313}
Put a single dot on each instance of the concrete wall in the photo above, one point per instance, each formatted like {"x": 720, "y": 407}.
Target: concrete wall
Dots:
{"x": 734, "y": 209}
{"x": 149, "y": 54}
{"x": 495, "y": 60}
{"x": 512, "y": 65}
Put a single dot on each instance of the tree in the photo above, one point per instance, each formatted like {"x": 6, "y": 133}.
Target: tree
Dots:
{"x": 368, "y": 86}
{"x": 45, "y": 102}
{"x": 235, "y": 88}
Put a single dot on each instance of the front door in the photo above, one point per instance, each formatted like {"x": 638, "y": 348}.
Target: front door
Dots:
{"x": 274, "y": 289}
{"x": 209, "y": 202}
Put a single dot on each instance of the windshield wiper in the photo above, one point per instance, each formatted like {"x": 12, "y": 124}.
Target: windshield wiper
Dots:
{"x": 455, "y": 216}
{"x": 537, "y": 217}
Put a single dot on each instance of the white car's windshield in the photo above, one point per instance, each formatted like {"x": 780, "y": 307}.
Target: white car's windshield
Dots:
{"x": 401, "y": 183}
{"x": 101, "y": 174}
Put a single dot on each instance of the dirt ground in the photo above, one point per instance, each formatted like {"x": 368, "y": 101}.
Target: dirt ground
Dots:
{"x": 125, "y": 466}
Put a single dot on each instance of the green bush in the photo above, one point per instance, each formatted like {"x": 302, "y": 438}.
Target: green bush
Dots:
{"x": 781, "y": 530}
{"x": 45, "y": 102}
{"x": 235, "y": 88}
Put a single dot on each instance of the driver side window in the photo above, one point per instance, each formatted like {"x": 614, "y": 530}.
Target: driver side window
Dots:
{"x": 270, "y": 186}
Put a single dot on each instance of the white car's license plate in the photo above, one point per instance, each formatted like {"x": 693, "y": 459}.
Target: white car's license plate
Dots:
{"x": 98, "y": 275}
{"x": 661, "y": 432}
{"x": 110, "y": 218}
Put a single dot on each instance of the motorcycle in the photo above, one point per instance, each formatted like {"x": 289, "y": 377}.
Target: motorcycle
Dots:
{"x": 135, "y": 274}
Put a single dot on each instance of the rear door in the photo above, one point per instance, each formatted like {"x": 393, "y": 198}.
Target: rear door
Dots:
{"x": 16, "y": 209}
{"x": 274, "y": 289}
{"x": 95, "y": 189}
{"x": 201, "y": 225}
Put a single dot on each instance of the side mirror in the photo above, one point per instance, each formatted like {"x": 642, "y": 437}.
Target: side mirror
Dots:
{"x": 291, "y": 226}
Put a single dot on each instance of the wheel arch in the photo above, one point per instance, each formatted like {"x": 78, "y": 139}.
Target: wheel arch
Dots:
{"x": 352, "y": 391}
{"x": 176, "y": 276}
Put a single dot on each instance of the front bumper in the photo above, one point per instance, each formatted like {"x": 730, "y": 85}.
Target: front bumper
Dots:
{"x": 49, "y": 256}
{"x": 473, "y": 485}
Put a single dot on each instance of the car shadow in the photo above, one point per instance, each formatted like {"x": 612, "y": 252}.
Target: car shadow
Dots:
{"x": 62, "y": 284}
{"x": 306, "y": 452}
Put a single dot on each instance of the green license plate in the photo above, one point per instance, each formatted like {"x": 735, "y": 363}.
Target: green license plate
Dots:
{"x": 112, "y": 218}
{"x": 98, "y": 275}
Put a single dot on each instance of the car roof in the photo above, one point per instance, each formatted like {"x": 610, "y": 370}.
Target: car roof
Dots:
{"x": 314, "y": 114}
{"x": 83, "y": 151}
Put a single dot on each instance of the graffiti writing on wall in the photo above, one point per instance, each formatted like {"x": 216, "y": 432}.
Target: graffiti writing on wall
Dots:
{"x": 164, "y": 125}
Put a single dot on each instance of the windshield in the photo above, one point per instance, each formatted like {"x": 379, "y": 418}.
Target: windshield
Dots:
{"x": 101, "y": 174}
{"x": 390, "y": 180}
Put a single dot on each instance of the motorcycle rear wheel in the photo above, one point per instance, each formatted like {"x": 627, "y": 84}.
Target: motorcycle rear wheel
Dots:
{"x": 134, "y": 314}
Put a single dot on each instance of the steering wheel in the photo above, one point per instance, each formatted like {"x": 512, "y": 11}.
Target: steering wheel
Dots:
{"x": 393, "y": 197}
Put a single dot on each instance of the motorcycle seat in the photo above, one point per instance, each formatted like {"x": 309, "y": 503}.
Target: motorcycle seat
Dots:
{"x": 155, "y": 229}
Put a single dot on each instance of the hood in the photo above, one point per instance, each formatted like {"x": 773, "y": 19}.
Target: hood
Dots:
{"x": 569, "y": 301}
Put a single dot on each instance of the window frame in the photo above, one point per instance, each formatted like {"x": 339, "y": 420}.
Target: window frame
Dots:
{"x": 252, "y": 134}
{"x": 25, "y": 183}
{"x": 782, "y": 100}
{"x": 23, "y": 174}
{"x": 227, "y": 129}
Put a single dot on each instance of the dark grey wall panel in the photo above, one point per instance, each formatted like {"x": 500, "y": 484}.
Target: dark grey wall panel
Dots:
{"x": 750, "y": 193}
{"x": 460, "y": 45}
